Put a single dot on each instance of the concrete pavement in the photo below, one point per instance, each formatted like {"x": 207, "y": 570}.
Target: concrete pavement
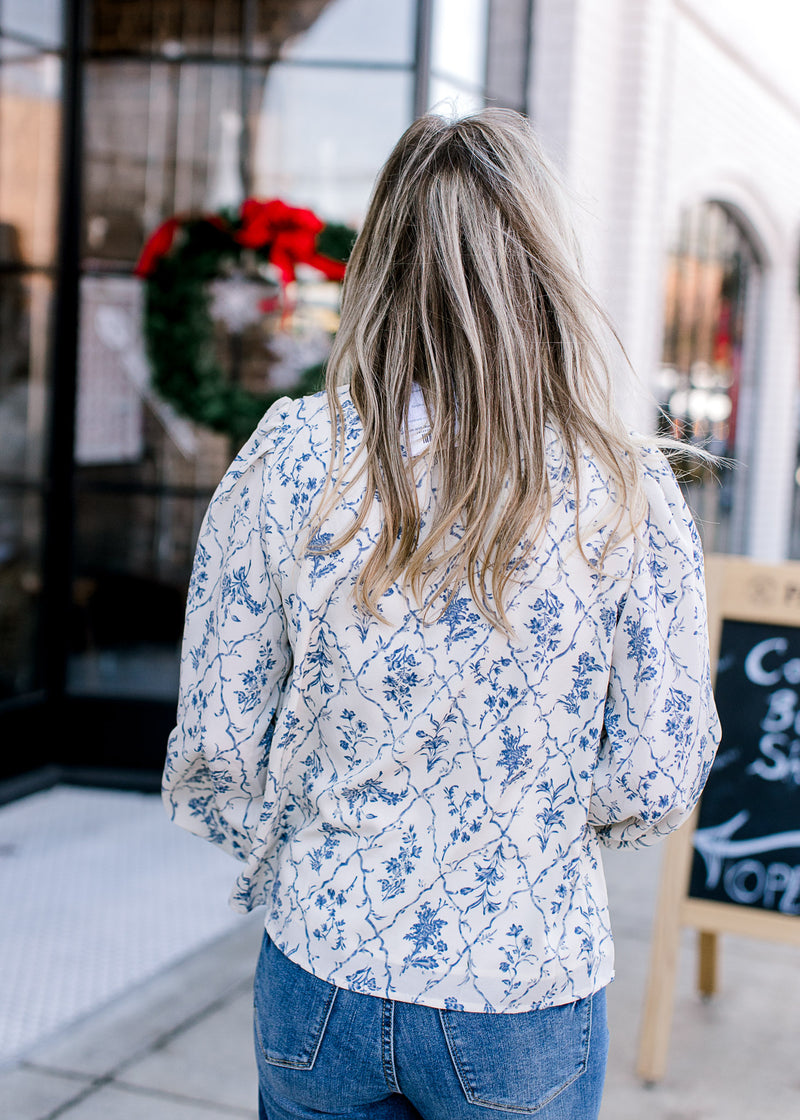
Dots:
{"x": 178, "y": 1045}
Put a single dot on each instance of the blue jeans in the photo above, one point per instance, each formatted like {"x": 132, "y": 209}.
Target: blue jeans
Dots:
{"x": 327, "y": 1052}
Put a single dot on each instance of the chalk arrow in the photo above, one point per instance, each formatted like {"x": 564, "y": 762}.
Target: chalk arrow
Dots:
{"x": 715, "y": 844}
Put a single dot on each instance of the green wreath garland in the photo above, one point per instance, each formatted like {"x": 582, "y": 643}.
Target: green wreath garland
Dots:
{"x": 177, "y": 264}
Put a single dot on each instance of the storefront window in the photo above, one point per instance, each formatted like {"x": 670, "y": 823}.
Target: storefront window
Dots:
{"x": 30, "y": 126}
{"x": 191, "y": 107}
{"x": 180, "y": 107}
{"x": 171, "y": 28}
{"x": 358, "y": 31}
{"x": 25, "y": 310}
{"x": 304, "y": 107}
{"x": 459, "y": 41}
{"x": 458, "y": 55}
{"x": 155, "y": 146}
{"x": 706, "y": 382}
{"x": 38, "y": 21}
{"x": 319, "y": 134}
{"x": 30, "y": 120}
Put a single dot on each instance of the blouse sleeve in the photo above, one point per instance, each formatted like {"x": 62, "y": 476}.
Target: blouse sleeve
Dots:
{"x": 235, "y": 659}
{"x": 661, "y": 729}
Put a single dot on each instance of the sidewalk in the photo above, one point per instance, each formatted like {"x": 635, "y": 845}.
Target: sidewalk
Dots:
{"x": 177, "y": 1046}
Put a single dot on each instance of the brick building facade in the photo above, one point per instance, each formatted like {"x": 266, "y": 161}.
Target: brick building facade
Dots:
{"x": 655, "y": 108}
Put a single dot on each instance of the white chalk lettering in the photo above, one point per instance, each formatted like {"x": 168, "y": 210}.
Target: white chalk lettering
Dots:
{"x": 757, "y": 671}
{"x": 717, "y": 844}
{"x": 781, "y": 761}
{"x": 776, "y": 881}
{"x": 738, "y": 881}
{"x": 790, "y": 903}
{"x": 754, "y": 662}
{"x": 781, "y": 711}
{"x": 775, "y": 886}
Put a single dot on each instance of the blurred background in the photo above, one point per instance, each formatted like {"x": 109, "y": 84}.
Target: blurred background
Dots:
{"x": 676, "y": 124}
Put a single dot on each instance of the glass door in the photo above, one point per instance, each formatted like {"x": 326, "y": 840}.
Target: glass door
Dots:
{"x": 31, "y": 70}
{"x": 114, "y": 118}
{"x": 190, "y": 107}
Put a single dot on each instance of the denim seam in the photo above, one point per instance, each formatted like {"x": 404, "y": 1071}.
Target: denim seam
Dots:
{"x": 472, "y": 1096}
{"x": 306, "y": 1062}
{"x": 586, "y": 1041}
{"x": 387, "y": 1045}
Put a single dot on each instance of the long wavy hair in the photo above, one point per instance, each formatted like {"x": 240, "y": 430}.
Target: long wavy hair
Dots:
{"x": 465, "y": 279}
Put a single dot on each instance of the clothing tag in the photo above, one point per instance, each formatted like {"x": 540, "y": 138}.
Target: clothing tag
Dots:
{"x": 419, "y": 427}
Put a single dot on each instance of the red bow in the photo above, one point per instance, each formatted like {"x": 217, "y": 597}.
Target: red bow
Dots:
{"x": 291, "y": 234}
{"x": 158, "y": 245}
{"x": 288, "y": 233}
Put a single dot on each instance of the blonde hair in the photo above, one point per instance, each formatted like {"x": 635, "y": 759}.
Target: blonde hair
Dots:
{"x": 465, "y": 279}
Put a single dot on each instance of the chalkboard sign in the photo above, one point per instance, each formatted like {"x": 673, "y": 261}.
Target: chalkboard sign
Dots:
{"x": 747, "y": 837}
{"x": 735, "y": 866}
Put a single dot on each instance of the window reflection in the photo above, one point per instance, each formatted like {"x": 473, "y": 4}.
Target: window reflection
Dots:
{"x": 25, "y": 307}
{"x": 30, "y": 135}
{"x": 508, "y": 53}
{"x": 178, "y": 29}
{"x": 358, "y": 31}
{"x": 207, "y": 96}
{"x": 25, "y": 316}
{"x": 705, "y": 383}
{"x": 38, "y": 20}
{"x": 21, "y": 527}
{"x": 129, "y": 588}
{"x": 155, "y": 137}
{"x": 30, "y": 124}
{"x": 297, "y": 101}
{"x": 458, "y": 50}
{"x": 173, "y": 28}
{"x": 144, "y": 476}
{"x": 121, "y": 423}
{"x": 319, "y": 135}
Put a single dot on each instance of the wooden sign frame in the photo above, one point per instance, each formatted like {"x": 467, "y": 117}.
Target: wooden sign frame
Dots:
{"x": 738, "y": 590}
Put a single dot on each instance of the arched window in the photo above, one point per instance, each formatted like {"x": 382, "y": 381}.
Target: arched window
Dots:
{"x": 707, "y": 376}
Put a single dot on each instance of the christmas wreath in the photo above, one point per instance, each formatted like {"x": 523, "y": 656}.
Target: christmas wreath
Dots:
{"x": 179, "y": 262}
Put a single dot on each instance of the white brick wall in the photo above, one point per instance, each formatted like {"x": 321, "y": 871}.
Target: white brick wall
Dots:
{"x": 647, "y": 107}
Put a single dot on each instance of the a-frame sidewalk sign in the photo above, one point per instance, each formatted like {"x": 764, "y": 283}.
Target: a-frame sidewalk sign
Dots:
{"x": 735, "y": 866}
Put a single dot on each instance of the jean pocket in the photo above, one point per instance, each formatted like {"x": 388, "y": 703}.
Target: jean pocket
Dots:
{"x": 518, "y": 1062}
{"x": 291, "y": 1008}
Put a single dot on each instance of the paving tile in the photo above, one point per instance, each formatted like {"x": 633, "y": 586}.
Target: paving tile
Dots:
{"x": 117, "y": 1103}
{"x": 632, "y": 877}
{"x": 136, "y": 1021}
{"x": 100, "y": 892}
{"x": 212, "y": 1060}
{"x": 734, "y": 1056}
{"x": 32, "y": 1094}
{"x": 180, "y": 1046}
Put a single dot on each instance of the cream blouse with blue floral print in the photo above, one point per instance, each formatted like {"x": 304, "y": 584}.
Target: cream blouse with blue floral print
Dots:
{"x": 420, "y": 806}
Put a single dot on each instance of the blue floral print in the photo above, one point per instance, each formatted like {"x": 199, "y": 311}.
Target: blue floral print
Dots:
{"x": 399, "y": 682}
{"x": 514, "y": 756}
{"x": 545, "y": 627}
{"x": 425, "y": 935}
{"x": 419, "y": 804}
{"x": 399, "y": 867}
{"x": 460, "y": 618}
